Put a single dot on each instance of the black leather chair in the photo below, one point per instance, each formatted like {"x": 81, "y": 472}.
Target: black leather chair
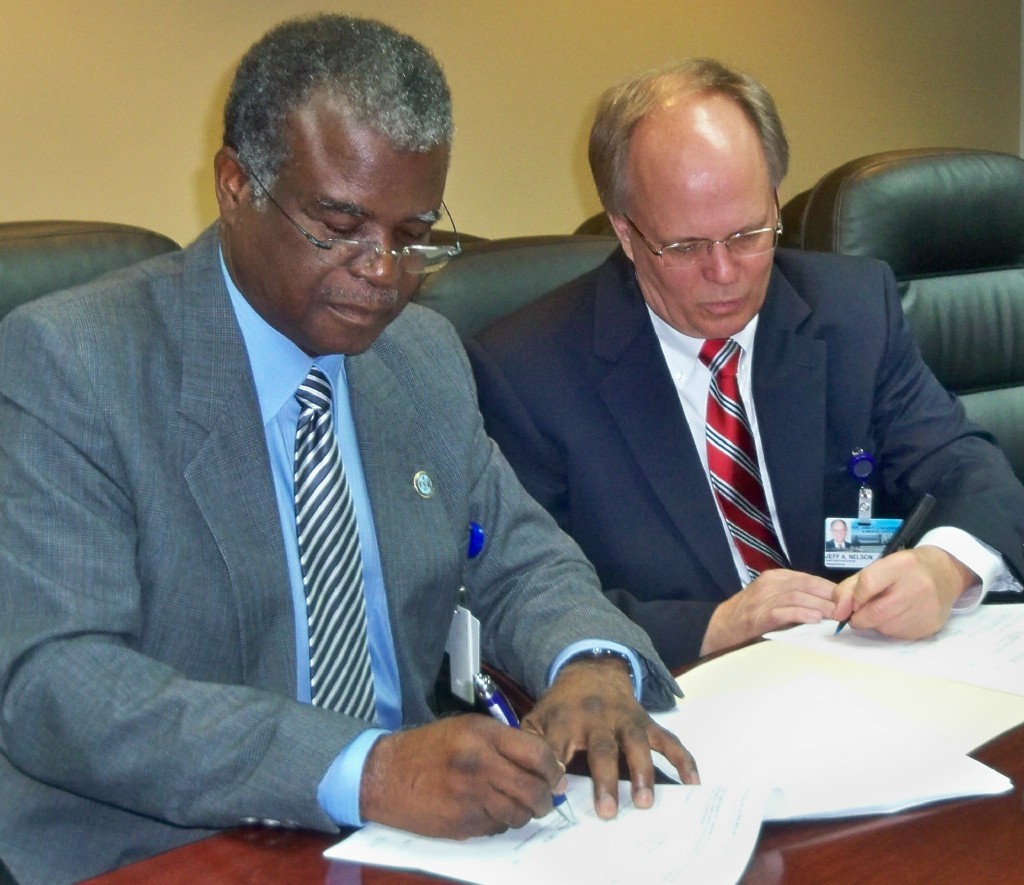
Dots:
{"x": 596, "y": 225}
{"x": 494, "y": 277}
{"x": 37, "y": 257}
{"x": 950, "y": 222}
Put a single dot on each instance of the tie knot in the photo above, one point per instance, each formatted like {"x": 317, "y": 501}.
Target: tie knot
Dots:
{"x": 720, "y": 354}
{"x": 315, "y": 391}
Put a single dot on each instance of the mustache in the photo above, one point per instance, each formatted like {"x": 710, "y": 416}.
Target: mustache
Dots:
{"x": 375, "y": 298}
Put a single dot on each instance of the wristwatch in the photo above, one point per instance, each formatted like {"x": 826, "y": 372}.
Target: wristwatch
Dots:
{"x": 599, "y": 652}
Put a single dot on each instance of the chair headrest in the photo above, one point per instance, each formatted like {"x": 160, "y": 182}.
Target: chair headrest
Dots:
{"x": 598, "y": 225}
{"x": 38, "y": 257}
{"x": 924, "y": 211}
{"x": 492, "y": 278}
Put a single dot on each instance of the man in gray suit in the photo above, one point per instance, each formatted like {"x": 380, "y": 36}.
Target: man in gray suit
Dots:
{"x": 156, "y": 660}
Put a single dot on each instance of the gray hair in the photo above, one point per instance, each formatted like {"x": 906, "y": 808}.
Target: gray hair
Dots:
{"x": 384, "y": 79}
{"x": 627, "y": 103}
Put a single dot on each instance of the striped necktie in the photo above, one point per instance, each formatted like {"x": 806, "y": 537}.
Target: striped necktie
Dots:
{"x": 732, "y": 462}
{"x": 332, "y": 570}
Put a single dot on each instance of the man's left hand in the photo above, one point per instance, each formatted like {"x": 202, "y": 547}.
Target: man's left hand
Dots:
{"x": 906, "y": 595}
{"x": 590, "y": 706}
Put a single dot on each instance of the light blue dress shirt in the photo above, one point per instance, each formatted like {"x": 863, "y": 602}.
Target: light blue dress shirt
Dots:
{"x": 278, "y": 368}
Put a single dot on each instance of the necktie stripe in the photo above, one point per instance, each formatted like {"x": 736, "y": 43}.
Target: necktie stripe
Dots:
{"x": 730, "y": 410}
{"x": 733, "y": 500}
{"x": 337, "y": 617}
{"x": 321, "y": 540}
{"x": 329, "y": 554}
{"x": 340, "y": 676}
{"x": 333, "y": 576}
{"x": 753, "y": 536}
{"x": 733, "y": 465}
{"x": 757, "y": 543}
{"x": 355, "y": 698}
{"x": 742, "y": 481}
{"x": 732, "y": 453}
{"x": 335, "y": 671}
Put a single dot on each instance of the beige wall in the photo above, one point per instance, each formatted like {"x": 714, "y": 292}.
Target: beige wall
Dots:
{"x": 110, "y": 108}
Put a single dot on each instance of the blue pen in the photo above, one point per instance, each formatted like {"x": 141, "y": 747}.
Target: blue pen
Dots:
{"x": 499, "y": 708}
{"x": 477, "y": 539}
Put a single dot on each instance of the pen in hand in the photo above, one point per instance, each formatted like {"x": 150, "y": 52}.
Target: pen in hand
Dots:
{"x": 499, "y": 708}
{"x": 904, "y": 536}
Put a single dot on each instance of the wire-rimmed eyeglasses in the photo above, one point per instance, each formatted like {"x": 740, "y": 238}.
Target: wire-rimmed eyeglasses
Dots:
{"x": 342, "y": 252}
{"x": 745, "y": 244}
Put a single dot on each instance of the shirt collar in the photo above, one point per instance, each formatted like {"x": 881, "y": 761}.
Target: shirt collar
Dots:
{"x": 278, "y": 365}
{"x": 683, "y": 352}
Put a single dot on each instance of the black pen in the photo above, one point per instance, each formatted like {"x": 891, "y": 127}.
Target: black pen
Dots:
{"x": 905, "y": 535}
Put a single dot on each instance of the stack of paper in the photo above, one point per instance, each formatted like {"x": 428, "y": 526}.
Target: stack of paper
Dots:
{"x": 985, "y": 647}
{"x": 830, "y": 751}
{"x": 797, "y": 745}
{"x": 692, "y": 834}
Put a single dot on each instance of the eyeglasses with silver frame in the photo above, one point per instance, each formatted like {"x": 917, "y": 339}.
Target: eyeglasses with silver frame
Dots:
{"x": 341, "y": 252}
{"x": 745, "y": 244}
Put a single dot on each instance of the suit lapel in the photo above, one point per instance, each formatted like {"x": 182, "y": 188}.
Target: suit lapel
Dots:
{"x": 410, "y": 528}
{"x": 789, "y": 384}
{"x": 224, "y": 440}
{"x": 638, "y": 391}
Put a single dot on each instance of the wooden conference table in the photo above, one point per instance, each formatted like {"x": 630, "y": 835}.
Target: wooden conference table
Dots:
{"x": 961, "y": 841}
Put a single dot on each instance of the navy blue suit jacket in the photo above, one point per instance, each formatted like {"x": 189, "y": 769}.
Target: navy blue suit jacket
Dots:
{"x": 575, "y": 390}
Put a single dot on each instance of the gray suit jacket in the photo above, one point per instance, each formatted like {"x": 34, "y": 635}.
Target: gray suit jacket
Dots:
{"x": 147, "y": 660}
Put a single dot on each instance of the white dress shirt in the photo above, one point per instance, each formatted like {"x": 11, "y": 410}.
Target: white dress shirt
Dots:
{"x": 692, "y": 381}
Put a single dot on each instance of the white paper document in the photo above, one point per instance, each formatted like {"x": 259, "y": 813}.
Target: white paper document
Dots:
{"x": 693, "y": 834}
{"x": 984, "y": 647}
{"x": 829, "y": 751}
{"x": 965, "y": 715}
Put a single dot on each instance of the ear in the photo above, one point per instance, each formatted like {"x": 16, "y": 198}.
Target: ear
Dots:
{"x": 623, "y": 232}
{"x": 231, "y": 182}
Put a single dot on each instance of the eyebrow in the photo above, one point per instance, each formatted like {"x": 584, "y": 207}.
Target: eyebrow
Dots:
{"x": 431, "y": 216}
{"x": 754, "y": 225}
{"x": 342, "y": 208}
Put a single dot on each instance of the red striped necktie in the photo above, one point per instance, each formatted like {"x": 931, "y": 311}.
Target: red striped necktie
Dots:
{"x": 732, "y": 462}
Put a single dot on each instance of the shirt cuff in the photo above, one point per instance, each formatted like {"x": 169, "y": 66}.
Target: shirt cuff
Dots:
{"x": 981, "y": 559}
{"x": 588, "y": 645}
{"x": 338, "y": 793}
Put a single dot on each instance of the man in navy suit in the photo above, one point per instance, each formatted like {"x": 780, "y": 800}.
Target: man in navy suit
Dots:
{"x": 598, "y": 398}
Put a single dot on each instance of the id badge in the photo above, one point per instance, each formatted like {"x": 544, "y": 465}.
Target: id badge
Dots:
{"x": 464, "y": 653}
{"x": 852, "y": 542}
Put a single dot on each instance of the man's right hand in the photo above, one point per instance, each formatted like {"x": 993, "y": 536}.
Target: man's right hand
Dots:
{"x": 459, "y": 777}
{"x": 775, "y": 599}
